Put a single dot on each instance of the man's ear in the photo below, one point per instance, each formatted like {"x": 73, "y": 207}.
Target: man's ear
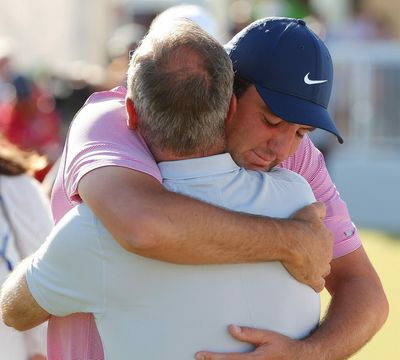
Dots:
{"x": 132, "y": 120}
{"x": 231, "y": 109}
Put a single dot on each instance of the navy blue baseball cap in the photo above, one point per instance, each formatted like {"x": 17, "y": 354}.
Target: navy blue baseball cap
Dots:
{"x": 290, "y": 67}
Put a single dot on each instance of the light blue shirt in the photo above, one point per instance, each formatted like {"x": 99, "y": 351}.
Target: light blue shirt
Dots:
{"x": 147, "y": 309}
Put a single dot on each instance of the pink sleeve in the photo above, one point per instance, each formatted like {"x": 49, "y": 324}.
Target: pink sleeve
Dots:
{"x": 309, "y": 162}
{"x": 99, "y": 137}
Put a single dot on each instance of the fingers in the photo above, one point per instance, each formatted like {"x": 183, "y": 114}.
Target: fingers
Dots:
{"x": 250, "y": 335}
{"x": 242, "y": 333}
{"x": 316, "y": 210}
{"x": 320, "y": 209}
{"x": 319, "y": 286}
{"x": 221, "y": 356}
{"x": 327, "y": 271}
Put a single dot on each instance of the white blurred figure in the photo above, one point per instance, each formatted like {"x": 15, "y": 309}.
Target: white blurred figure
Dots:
{"x": 196, "y": 13}
{"x": 25, "y": 221}
{"x": 7, "y": 91}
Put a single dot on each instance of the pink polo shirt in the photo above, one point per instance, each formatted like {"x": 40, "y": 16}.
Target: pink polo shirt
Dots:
{"x": 99, "y": 137}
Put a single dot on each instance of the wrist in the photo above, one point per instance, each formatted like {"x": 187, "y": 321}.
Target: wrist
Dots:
{"x": 287, "y": 235}
{"x": 307, "y": 351}
{"x": 312, "y": 349}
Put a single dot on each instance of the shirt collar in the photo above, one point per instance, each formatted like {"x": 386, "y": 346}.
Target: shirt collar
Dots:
{"x": 197, "y": 167}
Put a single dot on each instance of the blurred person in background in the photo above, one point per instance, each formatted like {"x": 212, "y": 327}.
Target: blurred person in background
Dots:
{"x": 123, "y": 40}
{"x": 30, "y": 120}
{"x": 25, "y": 221}
{"x": 199, "y": 15}
{"x": 7, "y": 71}
{"x": 363, "y": 24}
{"x": 243, "y": 12}
{"x": 71, "y": 84}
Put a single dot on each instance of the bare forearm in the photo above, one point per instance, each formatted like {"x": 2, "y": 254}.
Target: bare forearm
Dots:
{"x": 190, "y": 232}
{"x": 174, "y": 228}
{"x": 18, "y": 308}
{"x": 150, "y": 221}
{"x": 357, "y": 311}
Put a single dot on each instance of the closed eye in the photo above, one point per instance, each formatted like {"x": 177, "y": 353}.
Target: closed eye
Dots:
{"x": 270, "y": 123}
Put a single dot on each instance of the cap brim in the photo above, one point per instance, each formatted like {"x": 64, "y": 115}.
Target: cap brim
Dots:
{"x": 299, "y": 111}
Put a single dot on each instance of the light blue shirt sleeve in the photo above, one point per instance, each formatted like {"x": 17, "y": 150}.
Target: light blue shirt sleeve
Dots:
{"x": 66, "y": 274}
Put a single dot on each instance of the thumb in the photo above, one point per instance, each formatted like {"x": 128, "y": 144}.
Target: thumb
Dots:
{"x": 248, "y": 334}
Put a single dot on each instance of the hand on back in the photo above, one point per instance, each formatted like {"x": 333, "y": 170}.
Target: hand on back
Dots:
{"x": 311, "y": 247}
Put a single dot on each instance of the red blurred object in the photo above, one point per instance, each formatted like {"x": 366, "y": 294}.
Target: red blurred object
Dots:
{"x": 31, "y": 122}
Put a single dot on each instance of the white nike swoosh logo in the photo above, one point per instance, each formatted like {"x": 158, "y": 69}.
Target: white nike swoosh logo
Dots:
{"x": 308, "y": 81}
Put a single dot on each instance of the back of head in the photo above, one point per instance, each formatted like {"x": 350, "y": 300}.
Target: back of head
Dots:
{"x": 180, "y": 81}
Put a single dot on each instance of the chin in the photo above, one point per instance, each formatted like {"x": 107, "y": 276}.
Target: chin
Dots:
{"x": 247, "y": 164}
{"x": 257, "y": 167}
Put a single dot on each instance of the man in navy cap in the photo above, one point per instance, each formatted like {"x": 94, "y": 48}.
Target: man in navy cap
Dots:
{"x": 284, "y": 76}
{"x": 283, "y": 84}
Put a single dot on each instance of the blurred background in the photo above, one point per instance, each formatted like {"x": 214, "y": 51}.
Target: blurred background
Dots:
{"x": 54, "y": 54}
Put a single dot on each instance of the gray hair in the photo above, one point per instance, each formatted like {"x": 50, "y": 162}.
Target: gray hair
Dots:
{"x": 180, "y": 80}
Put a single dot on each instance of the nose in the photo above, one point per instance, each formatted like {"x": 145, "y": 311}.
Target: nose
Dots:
{"x": 281, "y": 144}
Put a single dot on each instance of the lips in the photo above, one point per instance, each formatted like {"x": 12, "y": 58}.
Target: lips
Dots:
{"x": 260, "y": 160}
